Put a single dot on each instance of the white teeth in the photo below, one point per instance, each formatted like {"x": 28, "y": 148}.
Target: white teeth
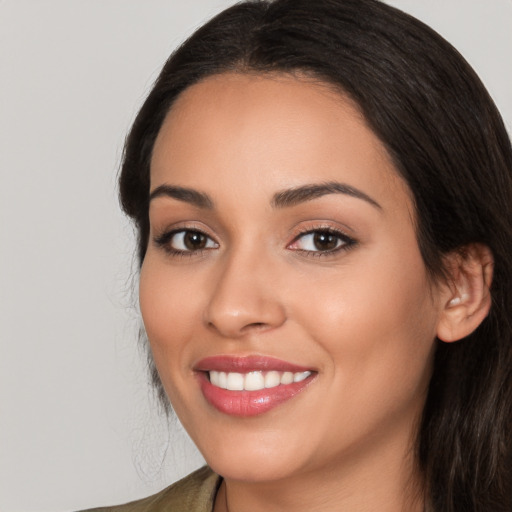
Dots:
{"x": 287, "y": 378}
{"x": 254, "y": 381}
{"x": 298, "y": 377}
{"x": 235, "y": 382}
{"x": 214, "y": 378}
{"x": 272, "y": 379}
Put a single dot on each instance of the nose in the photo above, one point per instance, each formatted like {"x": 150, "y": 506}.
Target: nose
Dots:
{"x": 244, "y": 298}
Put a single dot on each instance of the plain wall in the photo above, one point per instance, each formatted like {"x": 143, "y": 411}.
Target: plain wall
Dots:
{"x": 78, "y": 426}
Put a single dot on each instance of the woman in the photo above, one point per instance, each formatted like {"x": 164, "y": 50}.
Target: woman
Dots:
{"x": 322, "y": 193}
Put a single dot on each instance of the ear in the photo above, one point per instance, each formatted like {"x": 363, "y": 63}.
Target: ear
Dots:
{"x": 466, "y": 296}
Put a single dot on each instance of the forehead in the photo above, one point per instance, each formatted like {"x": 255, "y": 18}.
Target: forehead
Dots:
{"x": 268, "y": 132}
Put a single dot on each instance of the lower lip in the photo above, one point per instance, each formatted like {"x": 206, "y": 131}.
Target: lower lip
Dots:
{"x": 249, "y": 403}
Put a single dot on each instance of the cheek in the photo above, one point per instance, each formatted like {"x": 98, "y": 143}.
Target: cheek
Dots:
{"x": 376, "y": 324}
{"x": 168, "y": 311}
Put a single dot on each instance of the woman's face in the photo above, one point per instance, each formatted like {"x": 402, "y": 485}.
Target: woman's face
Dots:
{"x": 283, "y": 265}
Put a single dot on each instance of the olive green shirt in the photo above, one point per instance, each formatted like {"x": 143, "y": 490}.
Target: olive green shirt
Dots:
{"x": 194, "y": 493}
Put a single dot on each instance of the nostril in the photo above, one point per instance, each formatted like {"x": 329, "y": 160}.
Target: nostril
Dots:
{"x": 234, "y": 316}
{"x": 255, "y": 325}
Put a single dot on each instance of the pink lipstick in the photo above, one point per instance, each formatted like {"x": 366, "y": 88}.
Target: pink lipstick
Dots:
{"x": 252, "y": 385}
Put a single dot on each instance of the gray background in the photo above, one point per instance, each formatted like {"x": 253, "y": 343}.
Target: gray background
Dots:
{"x": 78, "y": 426}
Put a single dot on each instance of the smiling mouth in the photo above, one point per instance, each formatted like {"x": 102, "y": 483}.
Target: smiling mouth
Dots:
{"x": 255, "y": 380}
{"x": 251, "y": 385}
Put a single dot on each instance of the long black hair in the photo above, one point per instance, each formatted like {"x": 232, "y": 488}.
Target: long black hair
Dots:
{"x": 447, "y": 141}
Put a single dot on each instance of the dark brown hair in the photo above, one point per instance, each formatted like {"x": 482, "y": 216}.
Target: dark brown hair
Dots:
{"x": 449, "y": 144}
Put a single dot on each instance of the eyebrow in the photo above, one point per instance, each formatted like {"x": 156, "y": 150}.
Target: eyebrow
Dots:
{"x": 187, "y": 195}
{"x": 283, "y": 199}
{"x": 294, "y": 196}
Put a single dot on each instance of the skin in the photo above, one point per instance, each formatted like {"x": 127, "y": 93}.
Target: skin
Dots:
{"x": 364, "y": 318}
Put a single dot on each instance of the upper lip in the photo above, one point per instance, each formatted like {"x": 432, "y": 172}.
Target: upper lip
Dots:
{"x": 244, "y": 364}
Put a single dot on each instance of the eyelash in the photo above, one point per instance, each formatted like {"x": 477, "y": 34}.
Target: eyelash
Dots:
{"x": 164, "y": 241}
{"x": 343, "y": 242}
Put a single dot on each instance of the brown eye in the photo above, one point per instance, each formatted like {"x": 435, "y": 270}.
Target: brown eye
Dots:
{"x": 322, "y": 241}
{"x": 325, "y": 241}
{"x": 187, "y": 240}
{"x": 193, "y": 240}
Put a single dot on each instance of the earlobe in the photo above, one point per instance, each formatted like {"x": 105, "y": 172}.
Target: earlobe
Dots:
{"x": 467, "y": 298}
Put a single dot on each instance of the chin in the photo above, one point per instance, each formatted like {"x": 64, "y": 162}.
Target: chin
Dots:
{"x": 259, "y": 469}
{"x": 257, "y": 458}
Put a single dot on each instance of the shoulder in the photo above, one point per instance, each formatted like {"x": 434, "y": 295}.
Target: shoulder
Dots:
{"x": 194, "y": 493}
